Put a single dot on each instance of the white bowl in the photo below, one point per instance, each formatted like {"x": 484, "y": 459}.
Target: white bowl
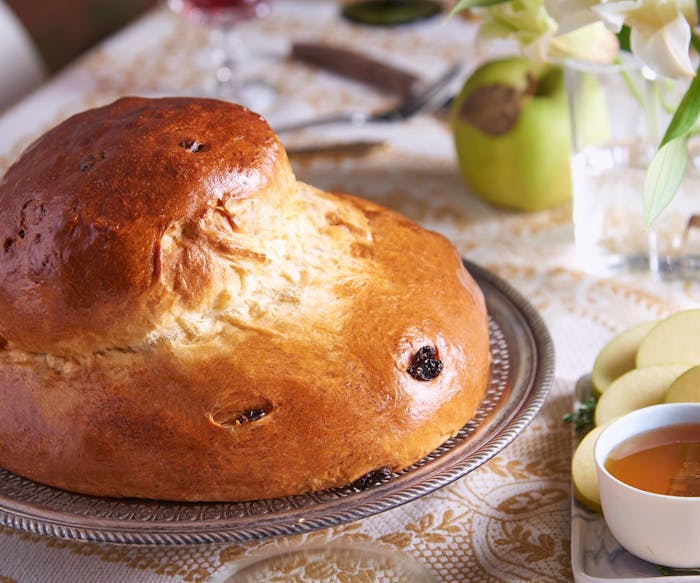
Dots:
{"x": 659, "y": 528}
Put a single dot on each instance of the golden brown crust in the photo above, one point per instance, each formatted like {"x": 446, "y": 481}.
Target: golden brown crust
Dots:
{"x": 84, "y": 213}
{"x": 303, "y": 305}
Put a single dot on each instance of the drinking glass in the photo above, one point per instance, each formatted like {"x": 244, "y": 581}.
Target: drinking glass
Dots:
{"x": 619, "y": 113}
{"x": 227, "y": 52}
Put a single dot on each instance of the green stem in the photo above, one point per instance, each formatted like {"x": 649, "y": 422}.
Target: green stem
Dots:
{"x": 631, "y": 85}
{"x": 667, "y": 86}
{"x": 652, "y": 106}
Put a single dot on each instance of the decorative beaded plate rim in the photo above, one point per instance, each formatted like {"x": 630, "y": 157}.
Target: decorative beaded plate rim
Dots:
{"x": 521, "y": 377}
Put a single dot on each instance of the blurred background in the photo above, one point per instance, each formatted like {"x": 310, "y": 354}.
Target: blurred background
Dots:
{"x": 63, "y": 29}
{"x": 40, "y": 37}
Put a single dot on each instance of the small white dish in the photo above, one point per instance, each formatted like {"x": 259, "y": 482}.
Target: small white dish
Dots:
{"x": 21, "y": 65}
{"x": 659, "y": 528}
{"x": 333, "y": 563}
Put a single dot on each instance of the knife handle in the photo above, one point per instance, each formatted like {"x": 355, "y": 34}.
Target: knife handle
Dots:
{"x": 350, "y": 64}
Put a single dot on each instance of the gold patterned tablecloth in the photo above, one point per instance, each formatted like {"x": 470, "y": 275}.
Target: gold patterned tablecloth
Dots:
{"x": 509, "y": 520}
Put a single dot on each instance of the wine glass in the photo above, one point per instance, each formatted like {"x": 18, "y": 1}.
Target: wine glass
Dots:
{"x": 227, "y": 52}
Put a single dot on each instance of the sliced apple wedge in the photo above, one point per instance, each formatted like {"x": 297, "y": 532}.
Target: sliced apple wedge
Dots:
{"x": 635, "y": 389}
{"x": 618, "y": 356}
{"x": 675, "y": 339}
{"x": 686, "y": 388}
{"x": 583, "y": 472}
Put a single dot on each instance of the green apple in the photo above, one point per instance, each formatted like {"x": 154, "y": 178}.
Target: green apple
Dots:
{"x": 640, "y": 387}
{"x": 618, "y": 356}
{"x": 686, "y": 388}
{"x": 675, "y": 339}
{"x": 512, "y": 134}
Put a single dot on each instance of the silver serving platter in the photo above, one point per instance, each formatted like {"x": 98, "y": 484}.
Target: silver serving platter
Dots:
{"x": 521, "y": 376}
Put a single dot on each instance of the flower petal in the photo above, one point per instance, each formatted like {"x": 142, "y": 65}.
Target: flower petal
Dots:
{"x": 591, "y": 43}
{"x": 665, "y": 50}
{"x": 613, "y": 13}
{"x": 571, "y": 15}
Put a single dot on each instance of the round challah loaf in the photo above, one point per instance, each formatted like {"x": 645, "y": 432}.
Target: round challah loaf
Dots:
{"x": 181, "y": 319}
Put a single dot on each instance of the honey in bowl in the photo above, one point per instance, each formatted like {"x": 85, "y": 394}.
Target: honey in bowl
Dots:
{"x": 662, "y": 461}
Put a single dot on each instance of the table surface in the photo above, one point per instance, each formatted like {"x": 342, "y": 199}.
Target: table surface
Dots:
{"x": 509, "y": 520}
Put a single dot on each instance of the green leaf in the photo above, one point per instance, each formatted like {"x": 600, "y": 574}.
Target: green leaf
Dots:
{"x": 623, "y": 38}
{"x": 694, "y": 40}
{"x": 583, "y": 417}
{"x": 667, "y": 168}
{"x": 467, "y": 4}
{"x": 664, "y": 176}
{"x": 687, "y": 113}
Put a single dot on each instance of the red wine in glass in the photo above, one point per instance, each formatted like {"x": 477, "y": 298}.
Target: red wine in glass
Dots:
{"x": 221, "y": 11}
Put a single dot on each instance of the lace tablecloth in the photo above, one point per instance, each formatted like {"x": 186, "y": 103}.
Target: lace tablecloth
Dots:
{"x": 509, "y": 520}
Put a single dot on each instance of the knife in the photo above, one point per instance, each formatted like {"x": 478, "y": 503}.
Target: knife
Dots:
{"x": 357, "y": 66}
{"x": 356, "y": 149}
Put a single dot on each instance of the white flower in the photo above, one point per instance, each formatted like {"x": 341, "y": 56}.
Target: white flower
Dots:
{"x": 593, "y": 42}
{"x": 665, "y": 50}
{"x": 536, "y": 26}
{"x": 545, "y": 29}
{"x": 571, "y": 15}
{"x": 660, "y": 31}
{"x": 525, "y": 21}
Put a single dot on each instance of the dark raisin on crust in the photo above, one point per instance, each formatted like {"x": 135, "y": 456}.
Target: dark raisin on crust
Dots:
{"x": 251, "y": 415}
{"x": 89, "y": 161}
{"x": 372, "y": 478}
{"x": 425, "y": 366}
{"x": 237, "y": 416}
{"x": 194, "y": 146}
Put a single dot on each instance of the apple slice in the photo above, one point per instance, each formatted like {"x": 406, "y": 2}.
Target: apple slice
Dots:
{"x": 583, "y": 472}
{"x": 635, "y": 389}
{"x": 618, "y": 356}
{"x": 686, "y": 388}
{"x": 675, "y": 339}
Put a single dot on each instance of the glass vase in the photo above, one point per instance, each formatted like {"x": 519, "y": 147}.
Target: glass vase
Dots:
{"x": 619, "y": 114}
